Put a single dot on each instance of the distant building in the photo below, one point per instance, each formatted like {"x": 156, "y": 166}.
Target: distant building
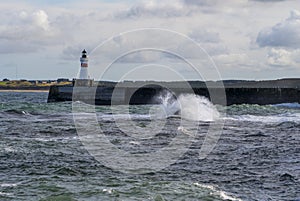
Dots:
{"x": 42, "y": 81}
{"x": 62, "y": 80}
{"x": 34, "y": 82}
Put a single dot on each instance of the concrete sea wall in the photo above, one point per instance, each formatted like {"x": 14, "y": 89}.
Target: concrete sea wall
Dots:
{"x": 103, "y": 95}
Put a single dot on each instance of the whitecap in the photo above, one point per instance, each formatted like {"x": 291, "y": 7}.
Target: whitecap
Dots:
{"x": 134, "y": 143}
{"x": 109, "y": 191}
{"x": 8, "y": 185}
{"x": 288, "y": 105}
{"x": 291, "y": 117}
{"x": 5, "y": 194}
{"x": 222, "y": 194}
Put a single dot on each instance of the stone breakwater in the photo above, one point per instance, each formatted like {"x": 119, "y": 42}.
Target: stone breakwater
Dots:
{"x": 223, "y": 93}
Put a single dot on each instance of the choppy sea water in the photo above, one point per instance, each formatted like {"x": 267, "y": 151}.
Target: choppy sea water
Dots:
{"x": 42, "y": 157}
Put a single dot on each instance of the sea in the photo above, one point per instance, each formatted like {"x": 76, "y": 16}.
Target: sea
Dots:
{"x": 253, "y": 152}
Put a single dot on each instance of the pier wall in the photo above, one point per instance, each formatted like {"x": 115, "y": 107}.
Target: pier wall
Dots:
{"x": 148, "y": 95}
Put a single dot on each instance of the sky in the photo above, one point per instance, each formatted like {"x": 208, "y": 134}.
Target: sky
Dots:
{"x": 130, "y": 39}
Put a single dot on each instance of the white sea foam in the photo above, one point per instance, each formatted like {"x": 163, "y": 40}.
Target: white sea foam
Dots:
{"x": 124, "y": 116}
{"x": 292, "y": 117}
{"x": 221, "y": 194}
{"x": 109, "y": 191}
{"x": 10, "y": 149}
{"x": 134, "y": 143}
{"x": 288, "y": 105}
{"x": 187, "y": 106}
{"x": 9, "y": 185}
{"x": 5, "y": 194}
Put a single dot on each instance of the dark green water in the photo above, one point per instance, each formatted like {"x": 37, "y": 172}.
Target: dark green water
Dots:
{"x": 42, "y": 157}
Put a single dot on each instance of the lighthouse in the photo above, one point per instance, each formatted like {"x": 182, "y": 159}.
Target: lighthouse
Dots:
{"x": 83, "y": 74}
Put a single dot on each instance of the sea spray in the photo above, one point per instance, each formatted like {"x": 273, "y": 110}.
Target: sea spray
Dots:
{"x": 188, "y": 106}
{"x": 169, "y": 104}
{"x": 197, "y": 108}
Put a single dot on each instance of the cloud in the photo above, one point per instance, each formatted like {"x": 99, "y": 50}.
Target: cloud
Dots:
{"x": 40, "y": 19}
{"x": 176, "y": 8}
{"x": 268, "y": 1}
{"x": 9, "y": 47}
{"x": 73, "y": 52}
{"x": 202, "y": 2}
{"x": 140, "y": 41}
{"x": 209, "y": 40}
{"x": 165, "y": 9}
{"x": 283, "y": 34}
{"x": 55, "y": 31}
{"x": 27, "y": 32}
{"x": 279, "y": 57}
{"x": 205, "y": 36}
{"x": 230, "y": 59}
{"x": 25, "y": 22}
{"x": 143, "y": 56}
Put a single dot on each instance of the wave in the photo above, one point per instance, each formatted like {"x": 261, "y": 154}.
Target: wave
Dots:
{"x": 17, "y": 112}
{"x": 288, "y": 105}
{"x": 292, "y": 117}
{"x": 112, "y": 117}
{"x": 9, "y": 185}
{"x": 222, "y": 194}
{"x": 5, "y": 194}
{"x": 188, "y": 106}
{"x": 277, "y": 113}
{"x": 67, "y": 171}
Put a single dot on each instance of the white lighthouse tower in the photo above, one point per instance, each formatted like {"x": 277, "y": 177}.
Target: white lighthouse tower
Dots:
{"x": 84, "y": 75}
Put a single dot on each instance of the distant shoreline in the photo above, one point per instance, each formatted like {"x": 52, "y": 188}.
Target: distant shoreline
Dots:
{"x": 30, "y": 86}
{"x": 24, "y": 90}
